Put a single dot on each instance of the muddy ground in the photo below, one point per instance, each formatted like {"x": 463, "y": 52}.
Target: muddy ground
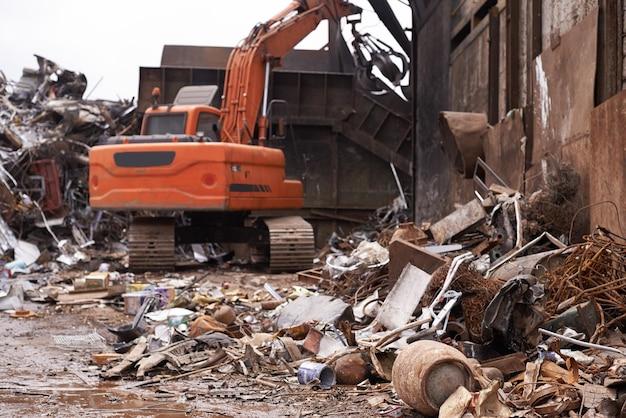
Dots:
{"x": 48, "y": 369}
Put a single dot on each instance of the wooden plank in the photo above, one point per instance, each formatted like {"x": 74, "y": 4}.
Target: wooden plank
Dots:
{"x": 314, "y": 277}
{"x": 89, "y": 295}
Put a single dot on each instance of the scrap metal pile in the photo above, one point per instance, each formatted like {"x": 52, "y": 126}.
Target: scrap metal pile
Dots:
{"x": 535, "y": 332}
{"x": 46, "y": 131}
{"x": 482, "y": 313}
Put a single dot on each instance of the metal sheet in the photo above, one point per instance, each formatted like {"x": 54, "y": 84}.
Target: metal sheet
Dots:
{"x": 462, "y": 136}
{"x": 607, "y": 180}
{"x": 458, "y": 221}
{"x": 403, "y": 298}
{"x": 216, "y": 57}
{"x": 469, "y": 72}
{"x": 505, "y": 150}
{"x": 564, "y": 80}
{"x": 402, "y": 252}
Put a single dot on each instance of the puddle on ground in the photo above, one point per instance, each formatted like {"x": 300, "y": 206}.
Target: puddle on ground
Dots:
{"x": 40, "y": 379}
{"x": 102, "y": 400}
{"x": 112, "y": 399}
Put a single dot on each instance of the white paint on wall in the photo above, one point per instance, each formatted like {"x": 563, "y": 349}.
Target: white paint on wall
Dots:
{"x": 544, "y": 104}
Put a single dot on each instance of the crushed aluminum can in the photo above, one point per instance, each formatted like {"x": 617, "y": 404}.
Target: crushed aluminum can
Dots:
{"x": 392, "y": 412}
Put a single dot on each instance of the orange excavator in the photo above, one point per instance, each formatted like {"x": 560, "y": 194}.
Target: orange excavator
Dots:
{"x": 214, "y": 165}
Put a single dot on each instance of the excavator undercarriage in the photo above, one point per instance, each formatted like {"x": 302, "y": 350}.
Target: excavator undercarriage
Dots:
{"x": 284, "y": 244}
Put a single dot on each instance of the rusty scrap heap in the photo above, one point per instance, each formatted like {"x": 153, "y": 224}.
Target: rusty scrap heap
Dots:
{"x": 46, "y": 131}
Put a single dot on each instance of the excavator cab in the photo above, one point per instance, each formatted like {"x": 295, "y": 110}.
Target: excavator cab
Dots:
{"x": 197, "y": 122}
{"x": 191, "y": 113}
{"x": 162, "y": 124}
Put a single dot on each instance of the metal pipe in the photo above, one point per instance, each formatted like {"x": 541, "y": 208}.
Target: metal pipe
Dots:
{"x": 266, "y": 88}
{"x": 444, "y": 314}
{"x": 580, "y": 343}
{"x": 518, "y": 221}
{"x": 512, "y": 254}
{"x": 456, "y": 263}
{"x": 268, "y": 287}
{"x": 395, "y": 176}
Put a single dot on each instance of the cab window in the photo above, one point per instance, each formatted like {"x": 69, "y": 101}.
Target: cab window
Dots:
{"x": 162, "y": 124}
{"x": 207, "y": 125}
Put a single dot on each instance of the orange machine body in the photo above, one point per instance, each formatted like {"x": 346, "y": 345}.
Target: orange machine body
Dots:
{"x": 211, "y": 176}
{"x": 194, "y": 157}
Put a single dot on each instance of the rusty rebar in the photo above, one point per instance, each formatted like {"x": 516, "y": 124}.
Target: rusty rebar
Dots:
{"x": 593, "y": 269}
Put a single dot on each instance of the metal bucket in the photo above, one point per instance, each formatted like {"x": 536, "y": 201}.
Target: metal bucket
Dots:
{"x": 427, "y": 372}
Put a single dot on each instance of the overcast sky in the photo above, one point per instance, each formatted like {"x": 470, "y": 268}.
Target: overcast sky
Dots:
{"x": 109, "y": 40}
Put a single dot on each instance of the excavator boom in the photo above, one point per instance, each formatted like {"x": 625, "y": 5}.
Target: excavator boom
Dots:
{"x": 249, "y": 64}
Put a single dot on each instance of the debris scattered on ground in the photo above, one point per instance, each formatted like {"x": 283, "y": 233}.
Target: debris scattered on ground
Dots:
{"x": 489, "y": 311}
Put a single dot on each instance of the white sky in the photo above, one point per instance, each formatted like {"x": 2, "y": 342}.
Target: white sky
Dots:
{"x": 109, "y": 40}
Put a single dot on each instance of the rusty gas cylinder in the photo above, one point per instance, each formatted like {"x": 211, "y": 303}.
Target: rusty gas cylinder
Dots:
{"x": 427, "y": 372}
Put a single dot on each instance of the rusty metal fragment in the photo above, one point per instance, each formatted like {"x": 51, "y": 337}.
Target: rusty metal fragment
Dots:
{"x": 462, "y": 137}
{"x": 402, "y": 252}
{"x": 458, "y": 221}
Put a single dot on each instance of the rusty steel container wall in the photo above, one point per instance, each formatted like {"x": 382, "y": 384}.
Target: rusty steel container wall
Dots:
{"x": 170, "y": 80}
{"x": 339, "y": 140}
{"x": 192, "y": 56}
{"x": 337, "y": 174}
{"x": 314, "y": 97}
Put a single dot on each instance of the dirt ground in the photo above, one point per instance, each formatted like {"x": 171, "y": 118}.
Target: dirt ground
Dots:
{"x": 48, "y": 369}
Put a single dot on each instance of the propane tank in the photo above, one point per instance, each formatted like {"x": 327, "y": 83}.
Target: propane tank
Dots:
{"x": 427, "y": 372}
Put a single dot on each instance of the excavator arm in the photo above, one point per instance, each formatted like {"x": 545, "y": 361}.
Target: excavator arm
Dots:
{"x": 250, "y": 63}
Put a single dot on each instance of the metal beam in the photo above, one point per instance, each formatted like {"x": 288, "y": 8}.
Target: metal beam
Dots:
{"x": 388, "y": 17}
{"x": 377, "y": 148}
{"x": 512, "y": 54}
{"x": 494, "y": 65}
